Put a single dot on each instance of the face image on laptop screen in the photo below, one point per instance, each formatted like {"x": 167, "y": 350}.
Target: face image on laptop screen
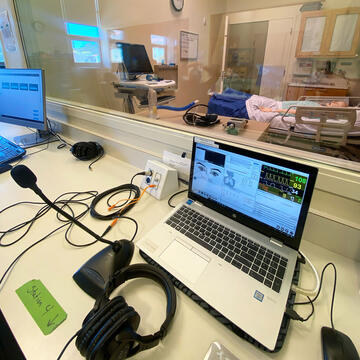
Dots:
{"x": 266, "y": 192}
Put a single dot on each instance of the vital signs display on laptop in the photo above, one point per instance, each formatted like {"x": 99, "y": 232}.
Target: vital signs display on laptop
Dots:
{"x": 266, "y": 193}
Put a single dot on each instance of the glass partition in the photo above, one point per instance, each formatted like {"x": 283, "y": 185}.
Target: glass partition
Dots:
{"x": 242, "y": 59}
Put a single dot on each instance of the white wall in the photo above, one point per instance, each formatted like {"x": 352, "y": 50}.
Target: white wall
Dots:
{"x": 339, "y": 4}
{"x": 13, "y": 59}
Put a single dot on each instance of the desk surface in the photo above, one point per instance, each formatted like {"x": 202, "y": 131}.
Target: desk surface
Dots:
{"x": 54, "y": 262}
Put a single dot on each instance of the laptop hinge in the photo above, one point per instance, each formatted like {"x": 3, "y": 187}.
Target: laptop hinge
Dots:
{"x": 276, "y": 242}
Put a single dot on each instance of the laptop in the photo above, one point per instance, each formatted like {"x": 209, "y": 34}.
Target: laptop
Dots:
{"x": 234, "y": 241}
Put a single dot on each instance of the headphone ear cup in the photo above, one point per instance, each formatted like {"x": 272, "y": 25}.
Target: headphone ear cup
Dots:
{"x": 107, "y": 341}
{"x": 125, "y": 341}
{"x": 86, "y": 150}
{"x": 95, "y": 320}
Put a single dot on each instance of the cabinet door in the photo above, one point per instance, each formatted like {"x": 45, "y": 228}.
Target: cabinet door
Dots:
{"x": 292, "y": 93}
{"x": 324, "y": 92}
{"x": 313, "y": 29}
{"x": 344, "y": 38}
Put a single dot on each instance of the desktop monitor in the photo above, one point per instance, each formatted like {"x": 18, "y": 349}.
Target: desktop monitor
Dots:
{"x": 22, "y": 94}
{"x": 135, "y": 59}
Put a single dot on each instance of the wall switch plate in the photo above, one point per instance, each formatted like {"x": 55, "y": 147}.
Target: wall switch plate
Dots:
{"x": 163, "y": 176}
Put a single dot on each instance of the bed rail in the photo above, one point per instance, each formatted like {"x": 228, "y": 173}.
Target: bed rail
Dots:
{"x": 332, "y": 123}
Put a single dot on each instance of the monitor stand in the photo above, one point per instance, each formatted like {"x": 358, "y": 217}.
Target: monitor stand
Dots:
{"x": 38, "y": 137}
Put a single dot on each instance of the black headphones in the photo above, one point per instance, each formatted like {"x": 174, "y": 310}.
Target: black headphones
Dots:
{"x": 86, "y": 150}
{"x": 193, "y": 118}
{"x": 109, "y": 330}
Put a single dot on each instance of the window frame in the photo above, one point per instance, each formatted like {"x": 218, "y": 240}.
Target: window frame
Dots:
{"x": 72, "y": 37}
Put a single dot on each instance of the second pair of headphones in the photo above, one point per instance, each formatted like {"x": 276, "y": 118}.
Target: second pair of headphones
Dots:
{"x": 87, "y": 151}
{"x": 109, "y": 330}
{"x": 191, "y": 117}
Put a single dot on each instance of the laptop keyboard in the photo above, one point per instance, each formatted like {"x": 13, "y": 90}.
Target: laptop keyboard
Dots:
{"x": 256, "y": 260}
{"x": 9, "y": 151}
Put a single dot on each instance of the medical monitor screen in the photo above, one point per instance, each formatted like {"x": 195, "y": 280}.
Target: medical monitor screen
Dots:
{"x": 22, "y": 94}
{"x": 135, "y": 58}
{"x": 268, "y": 194}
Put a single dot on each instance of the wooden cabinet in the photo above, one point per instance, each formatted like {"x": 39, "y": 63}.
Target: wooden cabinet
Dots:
{"x": 295, "y": 92}
{"x": 330, "y": 33}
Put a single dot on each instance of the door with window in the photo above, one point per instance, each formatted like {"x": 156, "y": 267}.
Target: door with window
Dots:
{"x": 258, "y": 50}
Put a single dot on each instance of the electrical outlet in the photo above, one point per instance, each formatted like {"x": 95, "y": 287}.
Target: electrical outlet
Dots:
{"x": 164, "y": 177}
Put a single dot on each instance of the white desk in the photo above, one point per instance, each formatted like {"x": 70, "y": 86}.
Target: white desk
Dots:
{"x": 54, "y": 262}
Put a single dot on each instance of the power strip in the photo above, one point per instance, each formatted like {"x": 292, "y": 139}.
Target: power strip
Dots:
{"x": 163, "y": 176}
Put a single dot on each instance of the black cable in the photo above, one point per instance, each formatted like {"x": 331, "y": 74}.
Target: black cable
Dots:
{"x": 98, "y": 158}
{"x": 67, "y": 344}
{"x": 133, "y": 189}
{"x": 67, "y": 203}
{"x": 173, "y": 195}
{"x": 74, "y": 199}
{"x": 43, "y": 210}
{"x": 295, "y": 316}
{"x": 17, "y": 227}
{"x": 193, "y": 118}
{"x": 128, "y": 218}
{"x": 53, "y": 133}
{"x": 27, "y": 249}
{"x": 311, "y": 301}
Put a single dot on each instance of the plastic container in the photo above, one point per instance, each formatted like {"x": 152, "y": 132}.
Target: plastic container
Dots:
{"x": 152, "y": 103}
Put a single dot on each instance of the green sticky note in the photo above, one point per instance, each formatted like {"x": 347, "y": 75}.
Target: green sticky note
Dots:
{"x": 41, "y": 305}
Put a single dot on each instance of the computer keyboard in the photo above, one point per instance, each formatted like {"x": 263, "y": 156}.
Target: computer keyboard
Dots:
{"x": 9, "y": 151}
{"x": 256, "y": 260}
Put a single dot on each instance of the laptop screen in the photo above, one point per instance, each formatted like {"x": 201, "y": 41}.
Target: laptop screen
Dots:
{"x": 269, "y": 194}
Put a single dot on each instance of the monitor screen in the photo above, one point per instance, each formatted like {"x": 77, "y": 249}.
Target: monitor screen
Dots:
{"x": 135, "y": 58}
{"x": 268, "y": 194}
{"x": 22, "y": 94}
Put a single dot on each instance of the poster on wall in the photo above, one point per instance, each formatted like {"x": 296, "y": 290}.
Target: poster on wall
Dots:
{"x": 6, "y": 32}
{"x": 188, "y": 45}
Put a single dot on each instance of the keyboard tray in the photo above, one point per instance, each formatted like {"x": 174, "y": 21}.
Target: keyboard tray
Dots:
{"x": 235, "y": 329}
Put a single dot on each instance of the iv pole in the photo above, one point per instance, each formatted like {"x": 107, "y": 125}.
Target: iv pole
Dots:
{"x": 222, "y": 74}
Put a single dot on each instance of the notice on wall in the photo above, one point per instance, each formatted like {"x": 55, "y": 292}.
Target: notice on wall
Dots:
{"x": 7, "y": 33}
{"x": 188, "y": 45}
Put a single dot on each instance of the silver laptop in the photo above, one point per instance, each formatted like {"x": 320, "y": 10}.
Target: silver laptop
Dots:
{"x": 234, "y": 241}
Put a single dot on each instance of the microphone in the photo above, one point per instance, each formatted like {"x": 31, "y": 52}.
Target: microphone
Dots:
{"x": 94, "y": 274}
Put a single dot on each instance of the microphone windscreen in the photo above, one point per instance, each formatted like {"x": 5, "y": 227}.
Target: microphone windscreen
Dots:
{"x": 23, "y": 176}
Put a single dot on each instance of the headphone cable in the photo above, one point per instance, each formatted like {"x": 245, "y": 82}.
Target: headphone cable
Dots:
{"x": 67, "y": 344}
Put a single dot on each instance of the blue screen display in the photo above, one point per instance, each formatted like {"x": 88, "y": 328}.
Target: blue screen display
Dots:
{"x": 22, "y": 97}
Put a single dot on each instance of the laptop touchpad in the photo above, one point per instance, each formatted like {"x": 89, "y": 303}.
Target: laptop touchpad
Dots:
{"x": 184, "y": 261}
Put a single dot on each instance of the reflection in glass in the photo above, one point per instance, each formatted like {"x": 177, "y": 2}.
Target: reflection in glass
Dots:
{"x": 82, "y": 30}
{"x": 245, "y": 56}
{"x": 86, "y": 51}
{"x": 158, "y": 54}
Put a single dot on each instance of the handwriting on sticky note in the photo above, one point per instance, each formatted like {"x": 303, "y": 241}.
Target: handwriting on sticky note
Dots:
{"x": 42, "y": 306}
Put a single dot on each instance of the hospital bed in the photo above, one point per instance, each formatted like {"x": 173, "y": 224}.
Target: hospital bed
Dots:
{"x": 324, "y": 125}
